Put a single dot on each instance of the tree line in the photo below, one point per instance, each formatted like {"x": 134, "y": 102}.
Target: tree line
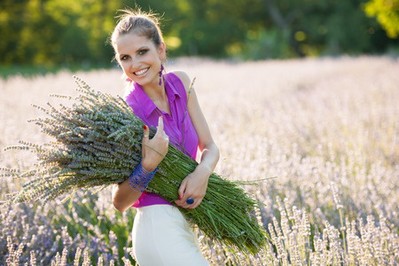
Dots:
{"x": 68, "y": 32}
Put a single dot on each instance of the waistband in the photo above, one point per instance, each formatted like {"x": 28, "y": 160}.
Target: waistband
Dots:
{"x": 148, "y": 199}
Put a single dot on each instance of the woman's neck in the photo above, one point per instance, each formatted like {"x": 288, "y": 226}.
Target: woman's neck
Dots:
{"x": 158, "y": 96}
{"x": 155, "y": 92}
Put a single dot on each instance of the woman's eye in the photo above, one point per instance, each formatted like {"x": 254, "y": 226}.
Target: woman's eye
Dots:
{"x": 124, "y": 58}
{"x": 143, "y": 51}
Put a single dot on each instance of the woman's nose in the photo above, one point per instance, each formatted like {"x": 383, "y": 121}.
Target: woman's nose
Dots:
{"x": 133, "y": 63}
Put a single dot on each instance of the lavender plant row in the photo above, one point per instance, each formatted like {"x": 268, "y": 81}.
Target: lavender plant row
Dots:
{"x": 97, "y": 143}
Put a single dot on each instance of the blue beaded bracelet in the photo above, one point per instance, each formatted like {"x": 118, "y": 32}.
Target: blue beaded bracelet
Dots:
{"x": 140, "y": 178}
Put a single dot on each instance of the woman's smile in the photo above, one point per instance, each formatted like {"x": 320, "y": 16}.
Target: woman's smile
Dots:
{"x": 141, "y": 72}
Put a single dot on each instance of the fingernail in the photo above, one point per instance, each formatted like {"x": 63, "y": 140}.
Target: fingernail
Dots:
{"x": 145, "y": 127}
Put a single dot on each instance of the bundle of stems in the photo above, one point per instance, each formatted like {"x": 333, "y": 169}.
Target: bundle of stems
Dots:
{"x": 98, "y": 143}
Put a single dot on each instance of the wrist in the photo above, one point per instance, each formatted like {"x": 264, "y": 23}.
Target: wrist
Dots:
{"x": 148, "y": 166}
{"x": 140, "y": 177}
{"x": 204, "y": 169}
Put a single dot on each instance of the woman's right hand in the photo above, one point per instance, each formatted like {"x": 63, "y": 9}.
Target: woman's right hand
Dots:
{"x": 155, "y": 149}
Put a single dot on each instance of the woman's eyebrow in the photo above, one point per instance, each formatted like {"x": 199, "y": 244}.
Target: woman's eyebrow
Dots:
{"x": 142, "y": 47}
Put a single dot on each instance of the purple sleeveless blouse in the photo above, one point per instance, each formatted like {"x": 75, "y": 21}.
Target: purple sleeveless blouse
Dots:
{"x": 177, "y": 125}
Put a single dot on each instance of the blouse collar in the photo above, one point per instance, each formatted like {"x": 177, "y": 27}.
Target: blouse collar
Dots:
{"x": 147, "y": 104}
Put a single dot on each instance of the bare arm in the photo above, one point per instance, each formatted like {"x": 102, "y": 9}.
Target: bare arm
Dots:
{"x": 123, "y": 196}
{"x": 196, "y": 183}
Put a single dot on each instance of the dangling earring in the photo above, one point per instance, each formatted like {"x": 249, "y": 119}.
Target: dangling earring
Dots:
{"x": 161, "y": 75}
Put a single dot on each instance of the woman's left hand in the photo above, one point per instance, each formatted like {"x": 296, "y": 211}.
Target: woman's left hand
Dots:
{"x": 193, "y": 186}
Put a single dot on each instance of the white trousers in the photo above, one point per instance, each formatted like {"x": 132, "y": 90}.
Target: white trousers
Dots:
{"x": 162, "y": 237}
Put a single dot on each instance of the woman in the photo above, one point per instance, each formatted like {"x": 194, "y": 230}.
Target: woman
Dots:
{"x": 161, "y": 235}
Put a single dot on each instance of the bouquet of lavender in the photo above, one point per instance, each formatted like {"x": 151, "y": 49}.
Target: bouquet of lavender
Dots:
{"x": 97, "y": 142}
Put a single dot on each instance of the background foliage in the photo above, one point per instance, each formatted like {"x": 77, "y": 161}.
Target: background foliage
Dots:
{"x": 66, "y": 33}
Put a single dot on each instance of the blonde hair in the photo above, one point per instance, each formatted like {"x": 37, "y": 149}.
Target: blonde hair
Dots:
{"x": 140, "y": 22}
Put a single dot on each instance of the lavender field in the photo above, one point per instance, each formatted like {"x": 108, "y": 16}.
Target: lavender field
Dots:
{"x": 321, "y": 136}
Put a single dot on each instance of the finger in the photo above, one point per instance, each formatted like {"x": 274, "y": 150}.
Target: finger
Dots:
{"x": 146, "y": 132}
{"x": 181, "y": 191}
{"x": 181, "y": 201}
{"x": 195, "y": 204}
{"x": 160, "y": 123}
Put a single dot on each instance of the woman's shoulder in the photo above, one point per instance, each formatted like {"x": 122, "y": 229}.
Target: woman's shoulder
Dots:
{"x": 184, "y": 78}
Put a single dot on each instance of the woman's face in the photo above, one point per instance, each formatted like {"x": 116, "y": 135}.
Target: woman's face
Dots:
{"x": 139, "y": 58}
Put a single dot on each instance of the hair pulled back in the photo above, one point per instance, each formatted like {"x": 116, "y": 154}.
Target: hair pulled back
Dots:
{"x": 142, "y": 23}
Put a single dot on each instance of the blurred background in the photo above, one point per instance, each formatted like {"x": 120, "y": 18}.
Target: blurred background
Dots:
{"x": 46, "y": 35}
{"x": 326, "y": 126}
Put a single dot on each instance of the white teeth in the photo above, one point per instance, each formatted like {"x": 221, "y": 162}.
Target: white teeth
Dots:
{"x": 141, "y": 72}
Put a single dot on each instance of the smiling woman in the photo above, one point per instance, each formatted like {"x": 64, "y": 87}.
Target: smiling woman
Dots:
{"x": 136, "y": 53}
{"x": 140, "y": 58}
{"x": 161, "y": 234}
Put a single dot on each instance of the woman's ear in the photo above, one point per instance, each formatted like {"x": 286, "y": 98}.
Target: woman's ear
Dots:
{"x": 162, "y": 51}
